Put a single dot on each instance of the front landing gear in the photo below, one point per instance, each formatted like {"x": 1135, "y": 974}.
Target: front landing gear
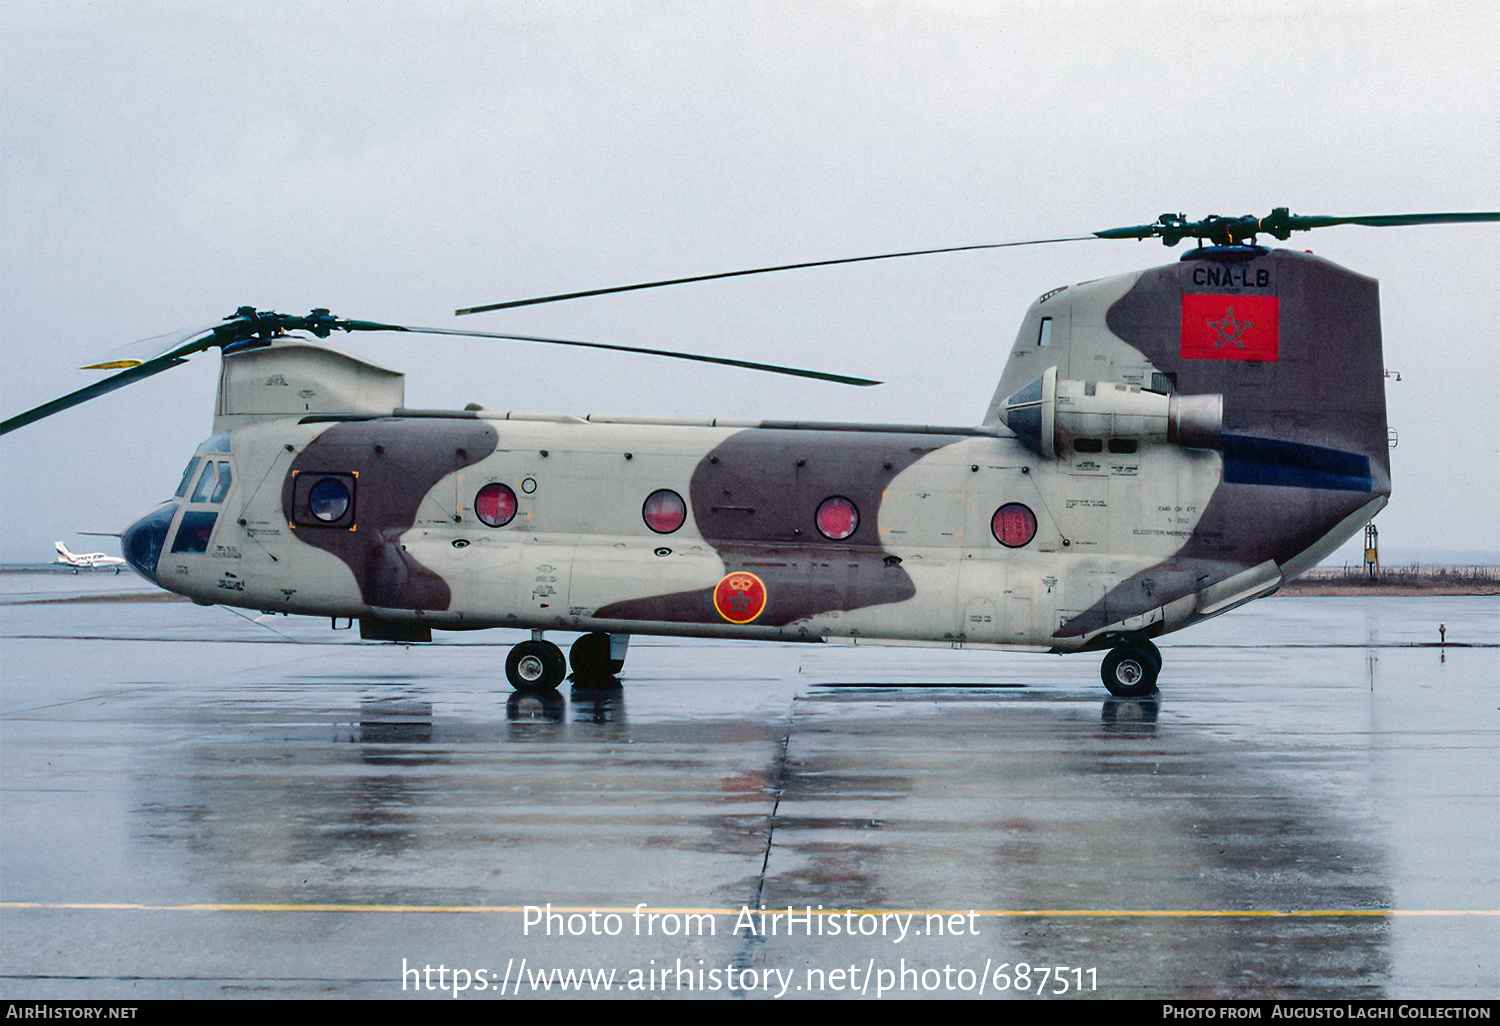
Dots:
{"x": 536, "y": 665}
{"x": 1130, "y": 670}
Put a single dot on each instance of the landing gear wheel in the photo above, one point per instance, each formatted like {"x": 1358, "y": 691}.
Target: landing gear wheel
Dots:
{"x": 535, "y": 666}
{"x": 590, "y": 658}
{"x": 1130, "y": 671}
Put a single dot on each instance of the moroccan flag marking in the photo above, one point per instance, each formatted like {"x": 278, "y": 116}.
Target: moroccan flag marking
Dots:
{"x": 740, "y": 597}
{"x": 1217, "y": 326}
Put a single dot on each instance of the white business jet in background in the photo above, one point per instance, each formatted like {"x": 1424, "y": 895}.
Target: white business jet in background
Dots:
{"x": 87, "y": 560}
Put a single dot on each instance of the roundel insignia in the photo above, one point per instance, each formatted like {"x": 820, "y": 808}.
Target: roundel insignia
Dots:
{"x": 740, "y": 597}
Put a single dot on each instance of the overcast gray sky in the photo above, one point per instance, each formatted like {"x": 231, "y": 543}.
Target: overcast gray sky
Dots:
{"x": 166, "y": 163}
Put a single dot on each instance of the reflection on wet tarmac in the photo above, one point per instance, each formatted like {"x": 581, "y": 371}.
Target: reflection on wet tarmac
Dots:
{"x": 1042, "y": 813}
{"x": 879, "y": 799}
{"x": 1131, "y": 715}
{"x": 394, "y": 721}
{"x": 1259, "y": 782}
{"x": 527, "y": 705}
{"x": 599, "y": 701}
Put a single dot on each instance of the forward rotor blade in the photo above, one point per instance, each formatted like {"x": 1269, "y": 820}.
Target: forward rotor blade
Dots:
{"x": 135, "y": 361}
{"x": 562, "y": 297}
{"x": 842, "y": 379}
{"x": 98, "y": 388}
{"x": 133, "y": 354}
{"x": 248, "y": 326}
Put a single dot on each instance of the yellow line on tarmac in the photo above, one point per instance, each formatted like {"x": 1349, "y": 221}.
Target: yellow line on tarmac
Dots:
{"x": 1074, "y": 913}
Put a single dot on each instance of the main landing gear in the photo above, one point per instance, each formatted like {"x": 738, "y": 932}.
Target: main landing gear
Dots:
{"x": 536, "y": 665}
{"x": 539, "y": 665}
{"x": 1130, "y": 670}
{"x": 598, "y": 657}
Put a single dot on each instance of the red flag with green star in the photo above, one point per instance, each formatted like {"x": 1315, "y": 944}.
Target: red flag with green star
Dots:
{"x": 1218, "y": 326}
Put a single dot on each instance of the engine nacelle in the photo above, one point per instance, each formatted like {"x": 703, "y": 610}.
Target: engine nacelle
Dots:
{"x": 1059, "y": 415}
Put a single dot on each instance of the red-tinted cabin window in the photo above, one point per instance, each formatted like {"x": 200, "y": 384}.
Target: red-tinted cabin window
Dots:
{"x": 664, "y": 511}
{"x": 495, "y": 504}
{"x": 837, "y": 518}
{"x": 1014, "y": 525}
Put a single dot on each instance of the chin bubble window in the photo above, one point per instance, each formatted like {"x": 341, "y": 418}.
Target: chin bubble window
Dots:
{"x": 664, "y": 511}
{"x": 495, "y": 504}
{"x": 1013, "y": 525}
{"x": 837, "y": 518}
{"x": 142, "y": 542}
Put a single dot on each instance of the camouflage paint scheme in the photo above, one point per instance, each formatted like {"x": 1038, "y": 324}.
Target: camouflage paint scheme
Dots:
{"x": 1129, "y": 543}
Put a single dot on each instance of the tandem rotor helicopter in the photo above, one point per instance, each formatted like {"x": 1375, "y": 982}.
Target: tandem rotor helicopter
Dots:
{"x": 1162, "y": 446}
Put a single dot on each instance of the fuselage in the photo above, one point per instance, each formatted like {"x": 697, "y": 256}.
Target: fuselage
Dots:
{"x": 1137, "y": 471}
{"x": 927, "y": 557}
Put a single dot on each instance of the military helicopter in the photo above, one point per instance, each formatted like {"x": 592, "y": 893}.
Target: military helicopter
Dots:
{"x": 1162, "y": 446}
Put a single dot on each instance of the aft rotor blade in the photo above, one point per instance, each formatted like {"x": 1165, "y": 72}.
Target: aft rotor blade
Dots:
{"x": 1279, "y": 223}
{"x": 98, "y": 388}
{"x": 562, "y": 297}
{"x": 842, "y": 379}
{"x": 1394, "y": 220}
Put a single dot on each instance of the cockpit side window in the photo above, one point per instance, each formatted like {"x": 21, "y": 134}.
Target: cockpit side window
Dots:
{"x": 187, "y": 476}
{"x": 225, "y": 479}
{"x": 205, "y": 483}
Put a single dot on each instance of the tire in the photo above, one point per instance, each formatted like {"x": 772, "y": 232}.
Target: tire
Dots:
{"x": 590, "y": 658}
{"x": 535, "y": 666}
{"x": 1130, "y": 671}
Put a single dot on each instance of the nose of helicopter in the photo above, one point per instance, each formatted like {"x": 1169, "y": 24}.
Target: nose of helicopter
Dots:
{"x": 141, "y": 543}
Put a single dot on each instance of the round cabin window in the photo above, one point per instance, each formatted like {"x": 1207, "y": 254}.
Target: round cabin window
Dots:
{"x": 837, "y": 518}
{"x": 664, "y": 511}
{"x": 328, "y": 500}
{"x": 1014, "y": 525}
{"x": 495, "y": 504}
